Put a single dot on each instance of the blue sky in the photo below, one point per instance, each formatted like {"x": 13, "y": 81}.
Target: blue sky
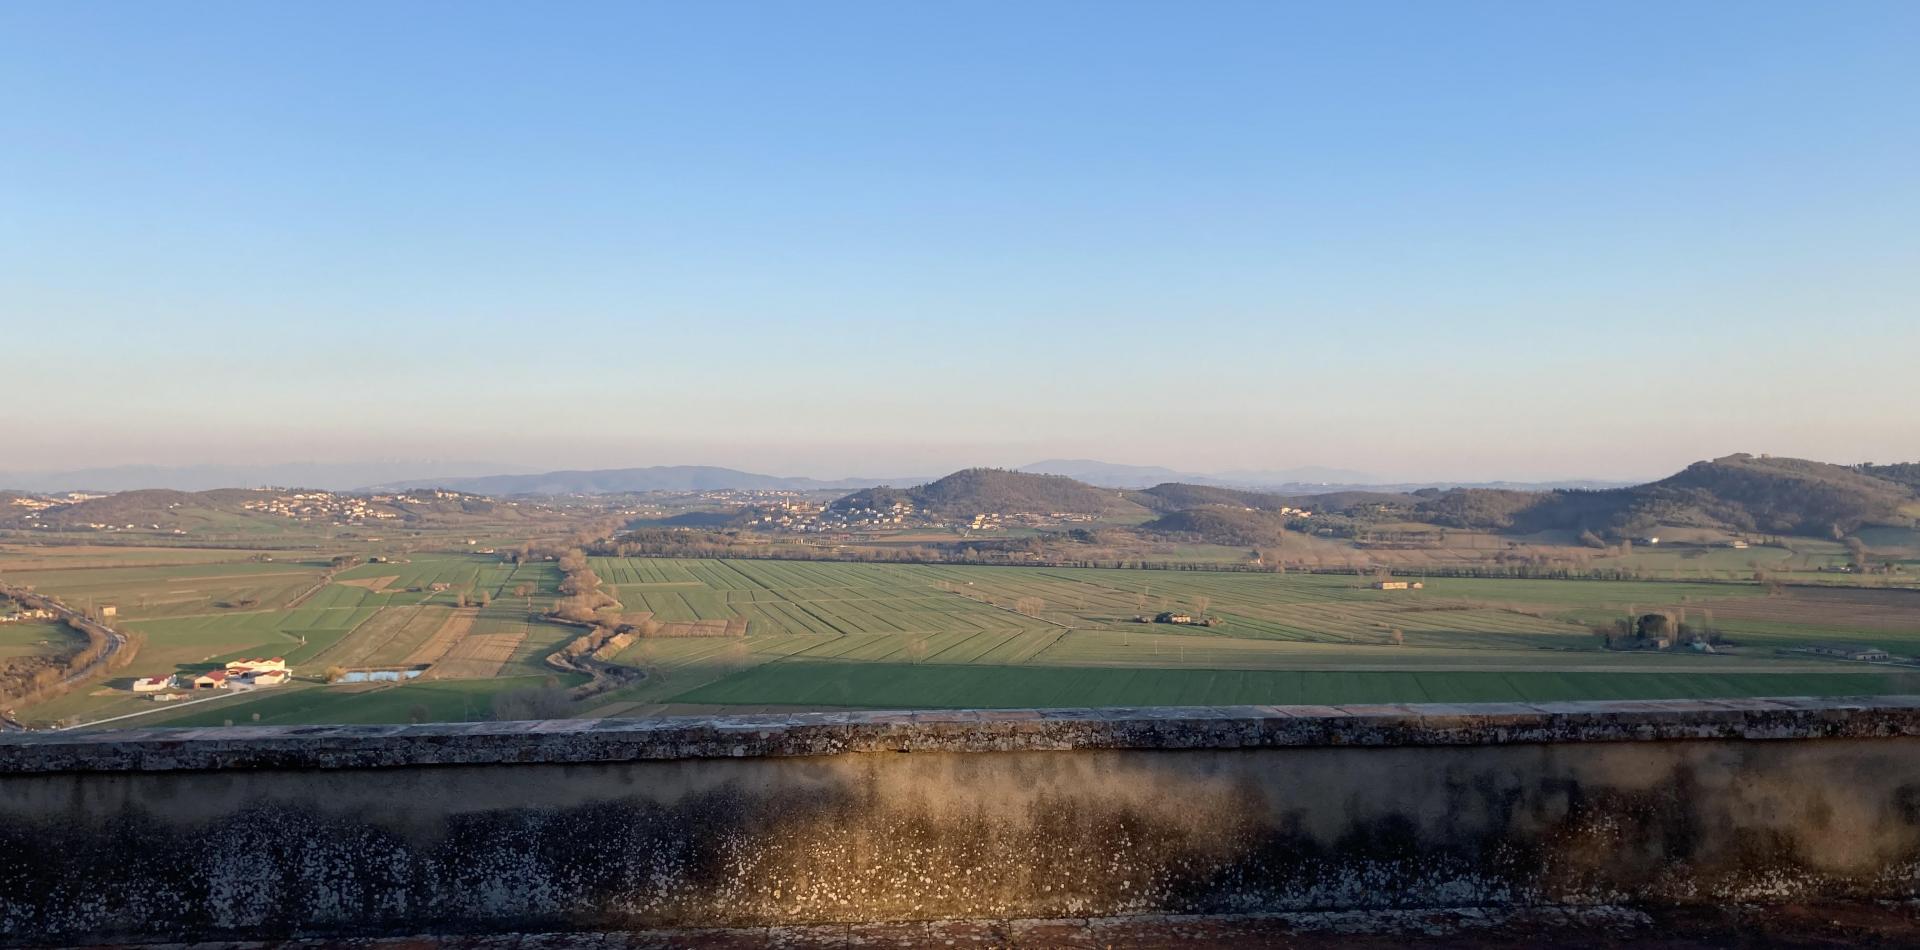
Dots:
{"x": 1467, "y": 240}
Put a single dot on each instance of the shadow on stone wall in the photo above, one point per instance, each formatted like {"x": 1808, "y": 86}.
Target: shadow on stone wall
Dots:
{"x": 939, "y": 835}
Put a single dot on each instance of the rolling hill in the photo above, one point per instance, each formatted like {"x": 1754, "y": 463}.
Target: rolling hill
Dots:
{"x": 1114, "y": 475}
{"x": 161, "y": 508}
{"x": 1222, "y": 525}
{"x": 1110, "y": 474}
{"x": 996, "y": 491}
{"x": 228, "y": 510}
{"x": 1735, "y": 493}
{"x": 1181, "y": 496}
{"x": 1903, "y": 473}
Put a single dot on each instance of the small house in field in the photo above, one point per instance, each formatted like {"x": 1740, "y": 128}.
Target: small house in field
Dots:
{"x": 109, "y": 610}
{"x": 1389, "y": 585}
{"x": 1850, "y": 651}
{"x": 439, "y": 586}
{"x": 1171, "y": 617}
{"x": 211, "y": 679}
{"x": 153, "y": 684}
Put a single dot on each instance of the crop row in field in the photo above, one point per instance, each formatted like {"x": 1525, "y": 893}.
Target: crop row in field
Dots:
{"x": 388, "y": 638}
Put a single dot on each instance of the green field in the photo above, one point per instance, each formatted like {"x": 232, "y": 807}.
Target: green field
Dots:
{"x": 36, "y": 638}
{"x": 828, "y": 634}
{"x": 908, "y": 686}
{"x": 442, "y": 701}
{"x": 891, "y": 636}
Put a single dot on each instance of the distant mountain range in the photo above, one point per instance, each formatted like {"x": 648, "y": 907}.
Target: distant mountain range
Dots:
{"x": 193, "y": 478}
{"x": 486, "y": 478}
{"x": 1112, "y": 475}
{"x": 496, "y": 479}
{"x": 654, "y": 478}
{"x": 1309, "y": 479}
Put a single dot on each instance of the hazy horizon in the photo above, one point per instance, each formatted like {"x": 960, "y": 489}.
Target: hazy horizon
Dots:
{"x": 392, "y": 470}
{"x": 1470, "y": 242}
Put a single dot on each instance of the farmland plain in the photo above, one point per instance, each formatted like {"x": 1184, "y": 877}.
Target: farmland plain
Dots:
{"x": 838, "y": 635}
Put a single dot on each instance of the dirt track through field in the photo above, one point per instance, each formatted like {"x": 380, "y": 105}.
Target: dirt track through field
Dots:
{"x": 451, "y": 632}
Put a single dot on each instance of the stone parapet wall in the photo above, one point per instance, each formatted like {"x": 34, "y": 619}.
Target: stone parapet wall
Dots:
{"x": 1002, "y": 730}
{"x": 331, "y": 832}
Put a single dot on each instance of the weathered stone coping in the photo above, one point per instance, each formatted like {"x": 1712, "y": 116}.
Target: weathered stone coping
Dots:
{"x": 998, "y": 730}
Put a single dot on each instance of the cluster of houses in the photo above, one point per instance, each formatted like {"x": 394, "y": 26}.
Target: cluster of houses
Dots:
{"x": 244, "y": 673}
{"x": 320, "y": 505}
{"x": 37, "y": 505}
{"x": 21, "y": 614}
{"x": 1398, "y": 585}
{"x": 43, "y": 502}
{"x": 802, "y": 517}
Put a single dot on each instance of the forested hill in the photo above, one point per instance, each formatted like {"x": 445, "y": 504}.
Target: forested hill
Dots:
{"x": 1223, "y": 525}
{"x": 1903, "y": 473}
{"x": 996, "y": 491}
{"x": 1738, "y": 492}
{"x": 1182, "y": 496}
